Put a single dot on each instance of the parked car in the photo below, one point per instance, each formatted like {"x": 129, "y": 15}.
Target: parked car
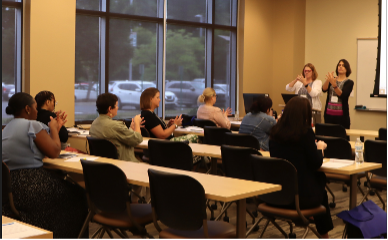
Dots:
{"x": 129, "y": 92}
{"x": 6, "y": 88}
{"x": 81, "y": 91}
{"x": 10, "y": 94}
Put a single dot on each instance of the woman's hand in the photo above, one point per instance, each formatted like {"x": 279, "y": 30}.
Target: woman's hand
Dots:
{"x": 61, "y": 118}
{"x": 53, "y": 124}
{"x": 302, "y": 79}
{"x": 134, "y": 124}
{"x": 330, "y": 77}
{"x": 279, "y": 116}
{"x": 178, "y": 120}
{"x": 227, "y": 112}
{"x": 170, "y": 122}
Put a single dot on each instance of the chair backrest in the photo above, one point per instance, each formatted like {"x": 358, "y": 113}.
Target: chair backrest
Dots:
{"x": 144, "y": 132}
{"x": 215, "y": 135}
{"x": 102, "y": 148}
{"x": 337, "y": 147}
{"x": 236, "y": 161}
{"x": 204, "y": 122}
{"x": 170, "y": 154}
{"x": 327, "y": 129}
{"x": 277, "y": 171}
{"x": 189, "y": 211}
{"x": 188, "y": 120}
{"x": 128, "y": 122}
{"x": 383, "y": 134}
{"x": 106, "y": 186}
{"x": 376, "y": 151}
{"x": 242, "y": 140}
{"x": 6, "y": 185}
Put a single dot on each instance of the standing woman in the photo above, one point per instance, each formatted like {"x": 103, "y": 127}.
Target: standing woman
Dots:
{"x": 337, "y": 102}
{"x": 308, "y": 86}
{"x": 209, "y": 112}
{"x": 46, "y": 106}
{"x": 42, "y": 198}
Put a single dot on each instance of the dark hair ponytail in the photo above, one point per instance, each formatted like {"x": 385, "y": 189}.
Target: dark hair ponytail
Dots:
{"x": 18, "y": 102}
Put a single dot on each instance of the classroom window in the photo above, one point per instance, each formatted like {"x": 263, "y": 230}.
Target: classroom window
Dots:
{"x": 11, "y": 52}
{"x": 199, "y": 49}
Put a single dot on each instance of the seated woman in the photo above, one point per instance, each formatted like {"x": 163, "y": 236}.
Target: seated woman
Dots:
{"x": 125, "y": 139}
{"x": 42, "y": 198}
{"x": 207, "y": 110}
{"x": 307, "y": 85}
{"x": 293, "y": 139}
{"x": 259, "y": 121}
{"x": 46, "y": 106}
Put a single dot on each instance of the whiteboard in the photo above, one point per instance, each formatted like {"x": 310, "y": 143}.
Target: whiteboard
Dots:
{"x": 366, "y": 73}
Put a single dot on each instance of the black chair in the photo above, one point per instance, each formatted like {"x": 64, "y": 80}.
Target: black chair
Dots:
{"x": 128, "y": 122}
{"x": 340, "y": 148}
{"x": 242, "y": 140}
{"x": 279, "y": 171}
{"x": 204, "y": 122}
{"x": 7, "y": 196}
{"x": 186, "y": 218}
{"x": 102, "y": 148}
{"x": 333, "y": 130}
{"x": 108, "y": 198}
{"x": 382, "y": 134}
{"x": 236, "y": 163}
{"x": 146, "y": 154}
{"x": 215, "y": 135}
{"x": 376, "y": 151}
{"x": 188, "y": 120}
{"x": 170, "y": 154}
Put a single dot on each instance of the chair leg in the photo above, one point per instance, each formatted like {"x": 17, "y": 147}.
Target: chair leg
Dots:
{"x": 225, "y": 207}
{"x": 86, "y": 223}
{"x": 291, "y": 227}
{"x": 365, "y": 196}
{"x": 332, "y": 204}
{"x": 254, "y": 225}
{"x": 315, "y": 231}
{"x": 359, "y": 188}
{"x": 251, "y": 214}
{"x": 124, "y": 233}
{"x": 211, "y": 209}
{"x": 265, "y": 227}
{"x": 101, "y": 233}
{"x": 119, "y": 233}
{"x": 305, "y": 233}
{"x": 382, "y": 201}
{"x": 108, "y": 232}
{"x": 97, "y": 232}
{"x": 279, "y": 228}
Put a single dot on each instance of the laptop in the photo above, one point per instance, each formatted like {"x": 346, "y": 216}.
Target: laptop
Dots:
{"x": 249, "y": 98}
{"x": 287, "y": 97}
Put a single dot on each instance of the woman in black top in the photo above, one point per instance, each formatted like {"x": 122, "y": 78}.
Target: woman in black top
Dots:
{"x": 337, "y": 101}
{"x": 46, "y": 103}
{"x": 293, "y": 139}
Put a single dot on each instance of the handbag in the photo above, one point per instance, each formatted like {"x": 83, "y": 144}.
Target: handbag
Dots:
{"x": 368, "y": 217}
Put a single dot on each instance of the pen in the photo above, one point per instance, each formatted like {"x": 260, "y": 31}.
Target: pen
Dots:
{"x": 82, "y": 159}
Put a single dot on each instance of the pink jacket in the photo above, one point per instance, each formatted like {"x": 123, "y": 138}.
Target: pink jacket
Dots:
{"x": 213, "y": 113}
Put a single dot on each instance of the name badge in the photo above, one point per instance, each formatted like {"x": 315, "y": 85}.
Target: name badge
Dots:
{"x": 334, "y": 99}
{"x": 303, "y": 95}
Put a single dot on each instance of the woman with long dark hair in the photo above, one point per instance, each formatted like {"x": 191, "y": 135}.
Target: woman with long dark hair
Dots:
{"x": 293, "y": 139}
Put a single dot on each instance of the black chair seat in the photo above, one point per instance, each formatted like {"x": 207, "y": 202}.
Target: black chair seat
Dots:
{"x": 272, "y": 211}
{"x": 217, "y": 229}
{"x": 141, "y": 213}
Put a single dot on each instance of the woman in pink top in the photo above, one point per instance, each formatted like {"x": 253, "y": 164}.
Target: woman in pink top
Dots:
{"x": 209, "y": 112}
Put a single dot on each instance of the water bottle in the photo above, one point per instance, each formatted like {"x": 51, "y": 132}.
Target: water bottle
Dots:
{"x": 236, "y": 116}
{"x": 359, "y": 151}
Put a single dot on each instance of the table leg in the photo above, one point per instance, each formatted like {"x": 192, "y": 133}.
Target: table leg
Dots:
{"x": 241, "y": 218}
{"x": 353, "y": 191}
{"x": 213, "y": 166}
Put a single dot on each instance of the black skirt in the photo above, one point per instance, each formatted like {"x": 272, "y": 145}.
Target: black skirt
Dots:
{"x": 45, "y": 200}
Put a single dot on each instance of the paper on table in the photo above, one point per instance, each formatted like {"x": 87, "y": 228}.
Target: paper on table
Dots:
{"x": 15, "y": 230}
{"x": 194, "y": 129}
{"x": 77, "y": 159}
{"x": 337, "y": 163}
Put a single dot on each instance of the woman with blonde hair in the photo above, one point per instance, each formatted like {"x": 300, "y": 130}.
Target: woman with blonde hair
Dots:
{"x": 208, "y": 111}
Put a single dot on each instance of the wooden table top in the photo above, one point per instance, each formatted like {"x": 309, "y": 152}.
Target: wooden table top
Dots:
{"x": 46, "y": 234}
{"x": 360, "y": 132}
{"x": 352, "y": 169}
{"x": 216, "y": 187}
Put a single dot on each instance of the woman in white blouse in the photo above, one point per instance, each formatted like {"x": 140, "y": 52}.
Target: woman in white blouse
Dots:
{"x": 307, "y": 85}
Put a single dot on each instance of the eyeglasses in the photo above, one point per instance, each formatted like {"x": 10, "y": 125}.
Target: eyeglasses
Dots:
{"x": 307, "y": 71}
{"x": 56, "y": 103}
{"x": 215, "y": 95}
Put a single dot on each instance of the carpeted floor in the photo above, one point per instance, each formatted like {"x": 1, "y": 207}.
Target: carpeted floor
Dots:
{"x": 342, "y": 203}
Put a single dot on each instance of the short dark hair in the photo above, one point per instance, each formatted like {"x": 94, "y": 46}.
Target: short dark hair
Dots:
{"x": 104, "y": 101}
{"x": 18, "y": 102}
{"x": 146, "y": 96}
{"x": 42, "y": 97}
{"x": 346, "y": 65}
{"x": 262, "y": 104}
{"x": 295, "y": 121}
